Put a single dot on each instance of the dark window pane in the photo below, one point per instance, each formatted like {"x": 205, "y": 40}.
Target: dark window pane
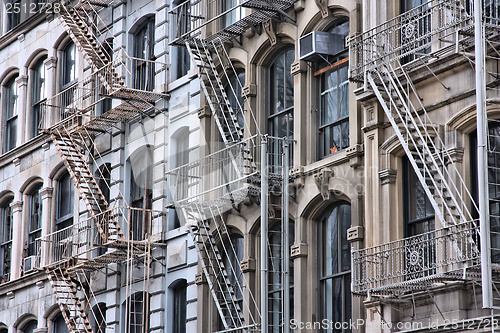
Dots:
{"x": 69, "y": 65}
{"x": 180, "y": 305}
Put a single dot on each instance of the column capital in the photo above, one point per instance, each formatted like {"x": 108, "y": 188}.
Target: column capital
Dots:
{"x": 16, "y": 206}
{"x": 50, "y": 63}
{"x": 22, "y": 80}
{"x": 46, "y": 192}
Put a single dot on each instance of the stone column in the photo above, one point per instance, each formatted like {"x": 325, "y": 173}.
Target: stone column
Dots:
{"x": 22, "y": 86}
{"x": 300, "y": 119}
{"x": 17, "y": 236}
{"x": 46, "y": 194}
{"x": 50, "y": 82}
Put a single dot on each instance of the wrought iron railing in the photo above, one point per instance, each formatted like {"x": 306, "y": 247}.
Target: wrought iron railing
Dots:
{"x": 410, "y": 36}
{"x": 413, "y": 262}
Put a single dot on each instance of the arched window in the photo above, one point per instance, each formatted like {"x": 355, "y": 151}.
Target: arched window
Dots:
{"x": 34, "y": 219}
{"x": 6, "y": 220}
{"x": 144, "y": 42}
{"x": 280, "y": 99}
{"x": 30, "y": 327}
{"x": 137, "y": 314}
{"x": 68, "y": 74}
{"x": 98, "y": 318}
{"x": 59, "y": 325}
{"x": 333, "y": 122}
{"x": 179, "y": 307}
{"x": 65, "y": 202}
{"x": 38, "y": 95}
{"x": 335, "y": 265}
{"x": 141, "y": 192}
{"x": 234, "y": 93}
{"x": 10, "y": 104}
{"x": 275, "y": 275}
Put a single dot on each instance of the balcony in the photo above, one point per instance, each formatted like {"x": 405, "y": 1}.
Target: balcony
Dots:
{"x": 416, "y": 262}
{"x": 429, "y": 30}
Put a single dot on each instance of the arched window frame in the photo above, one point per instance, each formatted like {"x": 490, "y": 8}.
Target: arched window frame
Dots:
{"x": 6, "y": 228}
{"x": 10, "y": 113}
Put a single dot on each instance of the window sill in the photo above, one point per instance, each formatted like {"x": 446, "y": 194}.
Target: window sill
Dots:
{"x": 183, "y": 80}
{"x": 13, "y": 34}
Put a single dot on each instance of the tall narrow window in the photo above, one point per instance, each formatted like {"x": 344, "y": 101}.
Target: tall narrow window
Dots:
{"x": 280, "y": 115}
{"x": 13, "y": 14}
{"x": 275, "y": 275}
{"x": 419, "y": 221}
{"x": 233, "y": 13}
{"x": 141, "y": 193}
{"x": 10, "y": 114}
{"x": 98, "y": 318}
{"x": 38, "y": 96}
{"x": 144, "y": 41}
{"x": 179, "y": 307}
{"x": 68, "y": 78}
{"x": 333, "y": 122}
{"x": 103, "y": 178}
{"x": 106, "y": 103}
{"x": 182, "y": 180}
{"x": 181, "y": 26}
{"x": 65, "y": 202}
{"x": 59, "y": 325}
{"x": 234, "y": 94}
{"x": 335, "y": 269}
{"x": 34, "y": 220}
{"x": 137, "y": 314}
{"x": 6, "y": 218}
{"x": 31, "y": 326}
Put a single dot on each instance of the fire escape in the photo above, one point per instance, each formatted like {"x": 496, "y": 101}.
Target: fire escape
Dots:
{"x": 208, "y": 190}
{"x": 73, "y": 118}
{"x": 382, "y": 59}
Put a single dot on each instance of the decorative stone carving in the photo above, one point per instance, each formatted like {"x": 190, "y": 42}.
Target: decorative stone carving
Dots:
{"x": 248, "y": 265}
{"x": 200, "y": 279}
{"x": 298, "y": 251}
{"x": 387, "y": 176}
{"x": 355, "y": 234}
{"x": 269, "y": 29}
{"x": 323, "y": 7}
{"x": 321, "y": 179}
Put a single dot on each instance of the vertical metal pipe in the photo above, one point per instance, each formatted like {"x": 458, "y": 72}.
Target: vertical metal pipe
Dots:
{"x": 482, "y": 164}
{"x": 286, "y": 240}
{"x": 264, "y": 190}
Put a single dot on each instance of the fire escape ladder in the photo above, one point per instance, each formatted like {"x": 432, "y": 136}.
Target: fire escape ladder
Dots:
{"x": 81, "y": 34}
{"x": 420, "y": 139}
{"x": 72, "y": 310}
{"x": 221, "y": 288}
{"x": 69, "y": 148}
{"x": 215, "y": 93}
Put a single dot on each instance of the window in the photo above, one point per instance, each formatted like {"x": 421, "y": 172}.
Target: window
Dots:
{"x": 69, "y": 66}
{"x": 39, "y": 95}
{"x": 34, "y": 219}
{"x": 136, "y": 318}
{"x": 98, "y": 318}
{"x": 419, "y": 221}
{"x": 59, "y": 325}
{"x": 103, "y": 180}
{"x": 10, "y": 114}
{"x": 144, "y": 42}
{"x": 234, "y": 94}
{"x": 413, "y": 42}
{"x": 65, "y": 202}
{"x": 234, "y": 15}
{"x": 179, "y": 307}
{"x": 141, "y": 193}
{"x": 31, "y": 326}
{"x": 14, "y": 12}
{"x": 181, "y": 26}
{"x": 275, "y": 275}
{"x": 232, "y": 260}
{"x": 280, "y": 114}
{"x": 333, "y": 122}
{"x": 105, "y": 103}
{"x": 335, "y": 268}
{"x": 182, "y": 181}
{"x": 493, "y": 142}
{"x": 6, "y": 218}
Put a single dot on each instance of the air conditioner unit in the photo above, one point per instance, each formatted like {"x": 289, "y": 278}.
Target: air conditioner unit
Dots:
{"x": 30, "y": 263}
{"x": 316, "y": 46}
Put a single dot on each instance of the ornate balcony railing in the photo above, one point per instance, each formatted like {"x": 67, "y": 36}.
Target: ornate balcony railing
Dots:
{"x": 415, "y": 262}
{"x": 412, "y": 35}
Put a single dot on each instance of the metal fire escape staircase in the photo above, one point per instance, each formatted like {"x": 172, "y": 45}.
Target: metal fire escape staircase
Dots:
{"x": 381, "y": 70}
{"x": 73, "y": 135}
{"x": 205, "y": 215}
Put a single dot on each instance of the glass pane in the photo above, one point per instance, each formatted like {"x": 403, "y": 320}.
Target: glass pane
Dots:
{"x": 180, "y": 308}
{"x": 65, "y": 197}
{"x": 69, "y": 66}
{"x": 343, "y": 92}
{"x": 344, "y": 139}
{"x": 278, "y": 85}
{"x": 11, "y": 133}
{"x": 11, "y": 97}
{"x": 39, "y": 86}
{"x": 345, "y": 223}
{"x": 330, "y": 243}
{"x": 289, "y": 58}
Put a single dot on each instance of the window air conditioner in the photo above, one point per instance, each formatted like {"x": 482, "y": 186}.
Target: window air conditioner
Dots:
{"x": 30, "y": 263}
{"x": 316, "y": 46}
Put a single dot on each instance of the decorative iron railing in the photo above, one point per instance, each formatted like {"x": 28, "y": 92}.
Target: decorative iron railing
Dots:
{"x": 414, "y": 262}
{"x": 412, "y": 35}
